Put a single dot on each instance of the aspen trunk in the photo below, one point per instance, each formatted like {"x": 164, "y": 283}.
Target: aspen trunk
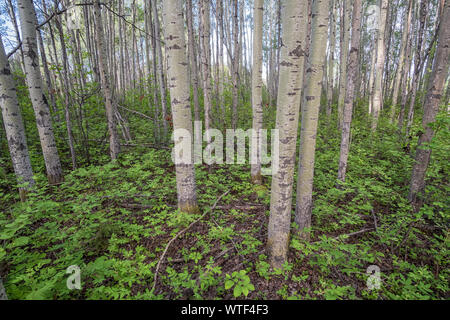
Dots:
{"x": 345, "y": 35}
{"x": 418, "y": 65}
{"x": 114, "y": 146}
{"x": 15, "y": 131}
{"x": 177, "y": 70}
{"x": 38, "y": 100}
{"x": 378, "y": 90}
{"x": 193, "y": 58}
{"x": 66, "y": 94}
{"x": 235, "y": 66}
{"x": 310, "y": 115}
{"x": 294, "y": 20}
{"x": 159, "y": 64}
{"x": 350, "y": 91}
{"x": 432, "y": 101}
{"x": 402, "y": 58}
{"x": 330, "y": 84}
{"x": 205, "y": 59}
{"x": 257, "y": 88}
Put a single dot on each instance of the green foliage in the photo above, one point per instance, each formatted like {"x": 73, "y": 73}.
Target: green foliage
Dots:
{"x": 241, "y": 283}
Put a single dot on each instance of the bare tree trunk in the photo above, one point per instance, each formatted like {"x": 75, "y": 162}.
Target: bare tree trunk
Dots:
{"x": 34, "y": 83}
{"x": 378, "y": 90}
{"x": 330, "y": 87}
{"x": 418, "y": 65}
{"x": 67, "y": 101}
{"x": 235, "y": 66}
{"x": 350, "y": 90}
{"x": 402, "y": 58}
{"x": 114, "y": 146}
{"x": 345, "y": 36}
{"x": 205, "y": 59}
{"x": 15, "y": 131}
{"x": 193, "y": 57}
{"x": 151, "y": 67}
{"x": 177, "y": 69}
{"x": 372, "y": 74}
{"x": 257, "y": 89}
{"x": 310, "y": 115}
{"x": 294, "y": 20}
{"x": 434, "y": 95}
{"x": 162, "y": 84}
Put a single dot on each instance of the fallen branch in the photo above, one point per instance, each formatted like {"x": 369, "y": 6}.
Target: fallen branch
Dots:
{"x": 135, "y": 112}
{"x": 179, "y": 234}
{"x": 349, "y": 234}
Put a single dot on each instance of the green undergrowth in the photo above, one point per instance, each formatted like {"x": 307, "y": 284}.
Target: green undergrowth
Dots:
{"x": 115, "y": 220}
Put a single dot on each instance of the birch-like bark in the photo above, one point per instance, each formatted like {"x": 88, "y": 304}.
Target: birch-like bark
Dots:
{"x": 235, "y": 66}
{"x": 378, "y": 90}
{"x": 67, "y": 101}
{"x": 15, "y": 131}
{"x": 310, "y": 115}
{"x": 431, "y": 108}
{"x": 345, "y": 36}
{"x": 193, "y": 58}
{"x": 330, "y": 84}
{"x": 257, "y": 89}
{"x": 159, "y": 64}
{"x": 34, "y": 83}
{"x": 294, "y": 20}
{"x": 372, "y": 74}
{"x": 418, "y": 65}
{"x": 205, "y": 63}
{"x": 114, "y": 146}
{"x": 350, "y": 90}
{"x": 177, "y": 70}
{"x": 402, "y": 58}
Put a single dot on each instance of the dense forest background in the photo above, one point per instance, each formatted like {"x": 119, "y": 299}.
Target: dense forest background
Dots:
{"x": 91, "y": 92}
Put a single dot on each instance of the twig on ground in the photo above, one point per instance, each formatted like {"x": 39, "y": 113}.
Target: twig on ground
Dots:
{"x": 179, "y": 234}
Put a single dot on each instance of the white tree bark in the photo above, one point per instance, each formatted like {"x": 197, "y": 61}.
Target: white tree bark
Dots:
{"x": 15, "y": 132}
{"x": 257, "y": 87}
{"x": 34, "y": 82}
{"x": 177, "y": 70}
{"x": 295, "y": 21}
{"x": 310, "y": 115}
{"x": 114, "y": 146}
{"x": 434, "y": 95}
{"x": 345, "y": 36}
{"x": 378, "y": 90}
{"x": 350, "y": 91}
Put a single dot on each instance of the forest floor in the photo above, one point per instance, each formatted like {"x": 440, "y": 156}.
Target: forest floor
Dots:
{"x": 115, "y": 220}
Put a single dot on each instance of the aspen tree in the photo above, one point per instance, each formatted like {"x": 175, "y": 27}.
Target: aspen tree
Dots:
{"x": 350, "y": 90}
{"x": 294, "y": 20}
{"x": 15, "y": 131}
{"x": 34, "y": 83}
{"x": 160, "y": 66}
{"x": 177, "y": 70}
{"x": 434, "y": 95}
{"x": 257, "y": 87}
{"x": 381, "y": 54}
{"x": 310, "y": 115}
{"x": 345, "y": 36}
{"x": 402, "y": 58}
{"x": 205, "y": 59}
{"x": 114, "y": 146}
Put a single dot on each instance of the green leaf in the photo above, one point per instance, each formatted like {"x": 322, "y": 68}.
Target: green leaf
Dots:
{"x": 237, "y": 291}
{"x": 228, "y": 284}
